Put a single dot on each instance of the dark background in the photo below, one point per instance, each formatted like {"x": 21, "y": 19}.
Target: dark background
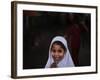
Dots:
{"x": 39, "y": 27}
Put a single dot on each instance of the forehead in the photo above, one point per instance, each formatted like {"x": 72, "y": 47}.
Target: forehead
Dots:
{"x": 55, "y": 45}
{"x": 58, "y": 45}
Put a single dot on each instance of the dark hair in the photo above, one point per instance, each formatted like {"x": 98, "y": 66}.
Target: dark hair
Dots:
{"x": 59, "y": 43}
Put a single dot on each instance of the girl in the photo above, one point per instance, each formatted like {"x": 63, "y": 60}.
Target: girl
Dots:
{"x": 59, "y": 55}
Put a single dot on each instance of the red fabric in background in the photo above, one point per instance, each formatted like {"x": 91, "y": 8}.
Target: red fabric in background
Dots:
{"x": 73, "y": 36}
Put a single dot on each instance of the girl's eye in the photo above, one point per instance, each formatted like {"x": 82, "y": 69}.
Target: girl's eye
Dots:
{"x": 59, "y": 51}
{"x": 54, "y": 51}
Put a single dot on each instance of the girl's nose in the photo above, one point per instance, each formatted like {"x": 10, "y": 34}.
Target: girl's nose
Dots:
{"x": 56, "y": 53}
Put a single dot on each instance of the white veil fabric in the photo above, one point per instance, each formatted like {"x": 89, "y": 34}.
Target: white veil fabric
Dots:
{"x": 67, "y": 59}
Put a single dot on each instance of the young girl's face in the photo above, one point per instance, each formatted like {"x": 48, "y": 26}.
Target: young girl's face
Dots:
{"x": 57, "y": 52}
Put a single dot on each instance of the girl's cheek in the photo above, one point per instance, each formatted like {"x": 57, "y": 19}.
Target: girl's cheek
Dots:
{"x": 52, "y": 53}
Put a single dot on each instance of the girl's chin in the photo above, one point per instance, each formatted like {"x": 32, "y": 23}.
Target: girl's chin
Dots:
{"x": 56, "y": 60}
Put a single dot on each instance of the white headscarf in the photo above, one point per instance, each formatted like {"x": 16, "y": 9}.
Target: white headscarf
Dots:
{"x": 66, "y": 61}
